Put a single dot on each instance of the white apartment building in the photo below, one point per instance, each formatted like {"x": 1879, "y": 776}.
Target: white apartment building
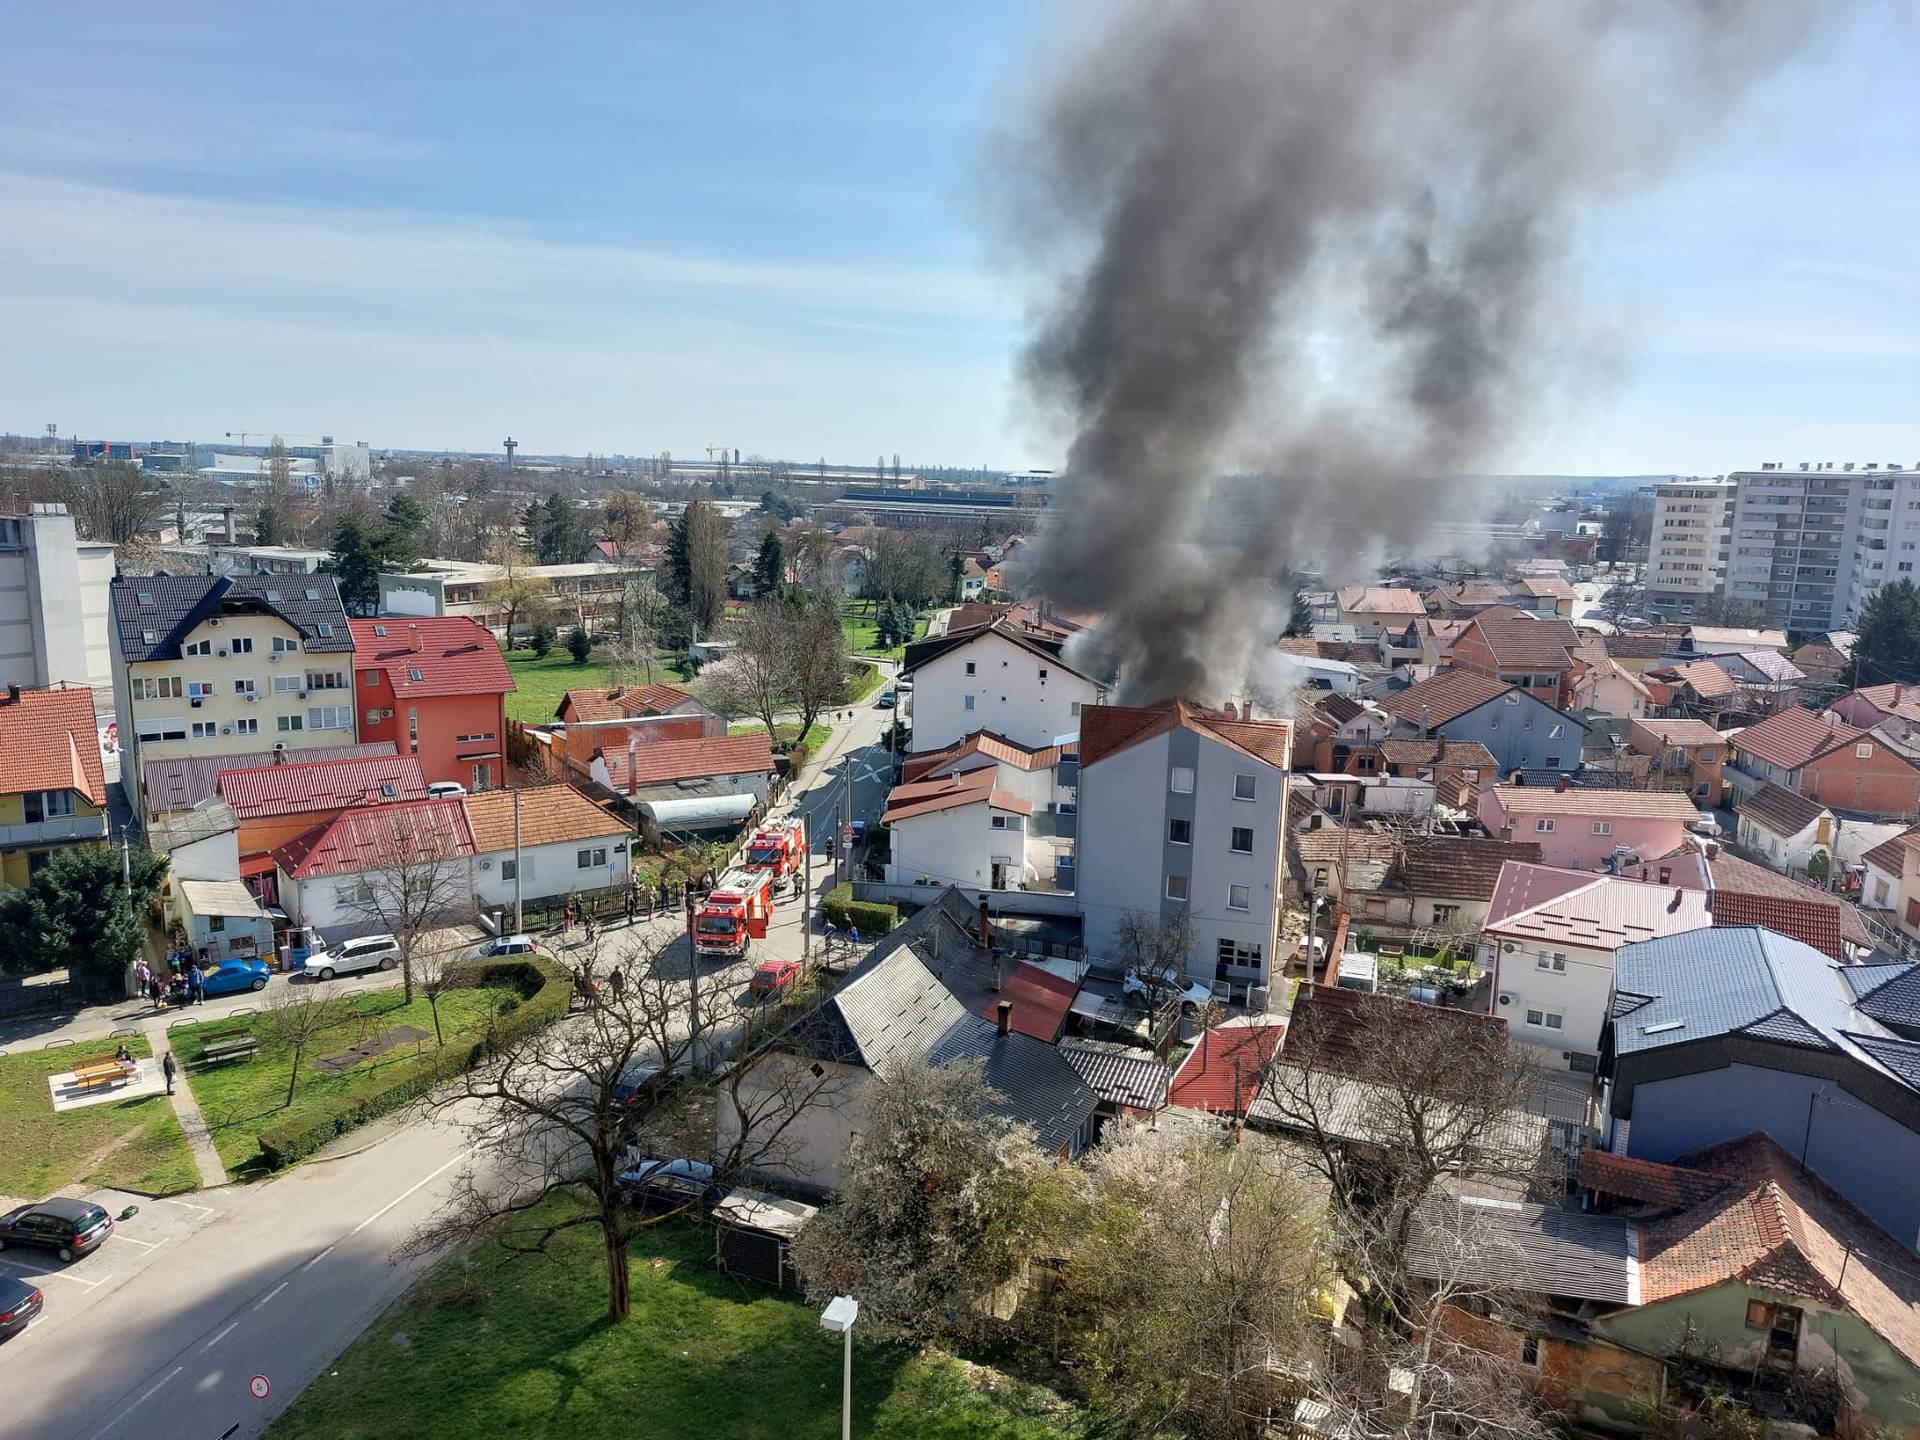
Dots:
{"x": 209, "y": 664}
{"x": 1811, "y": 544}
{"x": 1687, "y": 557}
{"x": 995, "y": 677}
{"x": 986, "y": 814}
{"x": 1182, "y": 809}
{"x": 54, "y": 608}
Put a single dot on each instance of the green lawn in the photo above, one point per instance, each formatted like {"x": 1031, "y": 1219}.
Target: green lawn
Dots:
{"x": 129, "y": 1144}
{"x": 863, "y": 635}
{"x": 241, "y": 1098}
{"x": 490, "y": 1345}
{"x": 817, "y": 734}
{"x": 543, "y": 682}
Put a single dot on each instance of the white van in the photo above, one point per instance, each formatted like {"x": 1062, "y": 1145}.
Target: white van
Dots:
{"x": 445, "y": 790}
{"x": 369, "y": 952}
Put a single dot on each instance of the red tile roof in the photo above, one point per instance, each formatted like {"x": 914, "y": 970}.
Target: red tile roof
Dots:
{"x": 377, "y": 837}
{"x": 1205, "y": 1079}
{"x": 950, "y": 792}
{"x": 454, "y": 655}
{"x": 294, "y": 788}
{"x": 51, "y": 741}
{"x": 1815, "y": 925}
{"x": 549, "y": 815}
{"x": 657, "y": 762}
{"x": 1793, "y": 737}
{"x": 1780, "y": 810}
{"x": 1446, "y": 695}
{"x": 1601, "y": 804}
{"x": 1519, "y": 642}
{"x": 1647, "y": 1181}
{"x": 994, "y": 747}
{"x": 1901, "y": 700}
{"x": 620, "y": 702}
{"x": 1890, "y": 854}
{"x": 1106, "y": 729}
{"x": 1380, "y": 600}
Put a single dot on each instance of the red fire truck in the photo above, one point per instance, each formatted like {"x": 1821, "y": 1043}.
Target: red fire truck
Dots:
{"x": 779, "y": 848}
{"x": 735, "y": 911}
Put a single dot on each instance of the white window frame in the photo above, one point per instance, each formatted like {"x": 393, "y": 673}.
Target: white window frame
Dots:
{"x": 1603, "y": 827}
{"x": 1239, "y": 897}
{"x": 1175, "y": 774}
{"x": 1251, "y": 787}
{"x": 204, "y": 730}
{"x": 1543, "y": 826}
{"x": 247, "y": 726}
{"x": 241, "y": 645}
{"x": 1552, "y": 961}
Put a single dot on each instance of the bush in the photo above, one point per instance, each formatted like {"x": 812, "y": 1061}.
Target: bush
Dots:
{"x": 541, "y": 640}
{"x": 797, "y": 758}
{"x": 544, "y": 989}
{"x": 579, "y": 644}
{"x": 863, "y": 915}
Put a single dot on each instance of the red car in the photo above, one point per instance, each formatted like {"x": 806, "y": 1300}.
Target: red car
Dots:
{"x": 773, "y": 976}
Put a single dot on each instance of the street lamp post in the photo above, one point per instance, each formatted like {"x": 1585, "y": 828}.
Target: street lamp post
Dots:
{"x": 839, "y": 1315}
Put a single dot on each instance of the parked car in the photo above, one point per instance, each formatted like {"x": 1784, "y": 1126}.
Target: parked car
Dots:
{"x": 70, "y": 1228}
{"x": 445, "y": 790}
{"x": 369, "y": 952}
{"x": 1192, "y": 992}
{"x": 1704, "y": 824}
{"x": 770, "y": 977}
{"x": 656, "y": 1185}
{"x": 501, "y": 946}
{"x": 230, "y": 977}
{"x": 19, "y": 1303}
{"x": 886, "y": 701}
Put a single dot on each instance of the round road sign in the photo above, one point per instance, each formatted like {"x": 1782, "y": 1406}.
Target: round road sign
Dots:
{"x": 259, "y": 1386}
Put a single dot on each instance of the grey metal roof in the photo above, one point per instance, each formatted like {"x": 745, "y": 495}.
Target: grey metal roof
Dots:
{"x": 1889, "y": 993}
{"x": 175, "y": 604}
{"x": 1902, "y": 1057}
{"x": 181, "y": 784}
{"x": 1118, "y": 1074}
{"x": 1535, "y": 1249}
{"x": 1738, "y": 980}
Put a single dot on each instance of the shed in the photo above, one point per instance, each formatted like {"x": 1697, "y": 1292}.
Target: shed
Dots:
{"x": 753, "y": 1232}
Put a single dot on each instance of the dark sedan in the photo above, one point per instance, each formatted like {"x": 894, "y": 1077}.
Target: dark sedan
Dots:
{"x": 69, "y": 1228}
{"x": 19, "y": 1303}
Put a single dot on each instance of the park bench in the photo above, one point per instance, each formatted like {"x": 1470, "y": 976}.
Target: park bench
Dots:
{"x": 239, "y": 1046}
{"x": 98, "y": 1073}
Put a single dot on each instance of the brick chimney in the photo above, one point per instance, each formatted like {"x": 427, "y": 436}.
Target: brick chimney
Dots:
{"x": 13, "y": 698}
{"x": 1562, "y": 785}
{"x": 413, "y": 637}
{"x": 1003, "y": 1017}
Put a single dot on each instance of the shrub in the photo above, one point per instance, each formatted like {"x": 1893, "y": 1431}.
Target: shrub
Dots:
{"x": 797, "y": 757}
{"x": 863, "y": 915}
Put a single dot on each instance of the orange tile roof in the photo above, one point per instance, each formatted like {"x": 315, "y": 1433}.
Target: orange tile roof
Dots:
{"x": 1105, "y": 729}
{"x": 949, "y": 792}
{"x": 51, "y": 741}
{"x": 1682, "y": 732}
{"x": 658, "y": 761}
{"x": 549, "y": 815}
{"x": 455, "y": 655}
{"x": 1446, "y": 695}
{"x": 1708, "y": 680}
{"x": 1520, "y": 642}
{"x": 1647, "y": 1181}
{"x": 994, "y": 747}
{"x": 1606, "y": 804}
{"x": 1794, "y": 736}
{"x": 620, "y": 702}
{"x": 1380, "y": 600}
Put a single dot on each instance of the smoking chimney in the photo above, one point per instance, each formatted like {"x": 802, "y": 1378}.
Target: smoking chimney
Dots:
{"x": 1426, "y": 719}
{"x": 1003, "y": 1017}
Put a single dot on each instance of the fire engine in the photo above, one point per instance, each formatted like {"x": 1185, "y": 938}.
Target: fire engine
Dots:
{"x": 779, "y": 848}
{"x": 735, "y": 912}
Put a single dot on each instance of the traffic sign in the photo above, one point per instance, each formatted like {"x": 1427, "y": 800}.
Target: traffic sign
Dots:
{"x": 259, "y": 1385}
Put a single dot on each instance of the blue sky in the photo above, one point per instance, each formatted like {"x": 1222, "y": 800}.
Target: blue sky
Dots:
{"x": 645, "y": 227}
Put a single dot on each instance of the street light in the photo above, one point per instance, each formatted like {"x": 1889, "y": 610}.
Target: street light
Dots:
{"x": 839, "y": 1316}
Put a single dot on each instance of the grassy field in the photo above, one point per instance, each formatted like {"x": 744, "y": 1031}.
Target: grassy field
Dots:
{"x": 544, "y": 681}
{"x": 817, "y": 734}
{"x": 131, "y": 1145}
{"x": 241, "y": 1098}
{"x": 491, "y": 1346}
{"x": 863, "y": 635}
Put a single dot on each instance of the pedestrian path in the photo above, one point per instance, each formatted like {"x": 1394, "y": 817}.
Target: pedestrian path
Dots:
{"x": 206, "y": 1159}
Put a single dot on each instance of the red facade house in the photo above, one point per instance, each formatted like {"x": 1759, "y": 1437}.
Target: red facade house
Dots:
{"x": 435, "y": 686}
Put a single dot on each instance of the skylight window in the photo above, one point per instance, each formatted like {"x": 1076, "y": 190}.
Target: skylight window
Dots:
{"x": 144, "y": 598}
{"x": 1663, "y": 1028}
{"x": 313, "y": 594}
{"x": 413, "y": 673}
{"x": 380, "y": 630}
{"x": 273, "y": 597}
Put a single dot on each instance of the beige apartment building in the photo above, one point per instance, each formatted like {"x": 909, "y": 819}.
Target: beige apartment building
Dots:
{"x": 209, "y": 664}
{"x": 1687, "y": 557}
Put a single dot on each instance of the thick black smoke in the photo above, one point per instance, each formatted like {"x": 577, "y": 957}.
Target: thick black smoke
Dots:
{"x": 1324, "y": 242}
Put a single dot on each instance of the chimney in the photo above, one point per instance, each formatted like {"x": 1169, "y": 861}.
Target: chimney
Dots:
{"x": 632, "y": 784}
{"x": 1003, "y": 1017}
{"x": 232, "y": 539}
{"x": 13, "y": 692}
{"x": 1426, "y": 719}
{"x": 1562, "y": 785}
{"x": 279, "y": 757}
{"x": 616, "y": 692}
{"x": 413, "y": 637}
{"x": 1673, "y": 905}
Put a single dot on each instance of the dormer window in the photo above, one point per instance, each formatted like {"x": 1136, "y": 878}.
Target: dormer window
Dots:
{"x": 273, "y": 597}
{"x": 149, "y": 637}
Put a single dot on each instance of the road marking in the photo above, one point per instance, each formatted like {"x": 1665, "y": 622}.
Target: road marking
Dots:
{"x": 271, "y": 1293}
{"x": 221, "y": 1336}
{"x": 318, "y": 1258}
{"x": 189, "y": 1205}
{"x": 401, "y": 1196}
{"x": 145, "y": 1396}
{"x": 143, "y": 1244}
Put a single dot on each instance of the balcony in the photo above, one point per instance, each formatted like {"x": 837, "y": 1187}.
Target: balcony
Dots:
{"x": 57, "y": 831}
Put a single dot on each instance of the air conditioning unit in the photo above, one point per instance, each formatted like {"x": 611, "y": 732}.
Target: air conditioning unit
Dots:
{"x": 279, "y": 744}
{"x": 253, "y": 697}
{"x": 215, "y": 624}
{"x": 223, "y": 654}
{"x": 226, "y": 729}
{"x": 486, "y": 864}
{"x": 274, "y": 658}
{"x": 1508, "y": 948}
{"x": 1505, "y": 998}
{"x": 302, "y": 695}
{"x": 195, "y": 702}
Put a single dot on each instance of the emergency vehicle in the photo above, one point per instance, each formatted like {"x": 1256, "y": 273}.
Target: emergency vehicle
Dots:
{"x": 779, "y": 848}
{"x": 735, "y": 911}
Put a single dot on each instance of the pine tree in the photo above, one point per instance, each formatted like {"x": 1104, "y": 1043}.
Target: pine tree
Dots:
{"x": 355, "y": 562}
{"x": 579, "y": 645}
{"x": 770, "y": 566}
{"x": 1887, "y": 648}
{"x": 400, "y": 529}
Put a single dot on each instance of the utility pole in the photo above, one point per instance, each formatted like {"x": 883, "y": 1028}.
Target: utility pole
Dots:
{"x": 518, "y": 921}
{"x": 693, "y": 972}
{"x": 846, "y": 828}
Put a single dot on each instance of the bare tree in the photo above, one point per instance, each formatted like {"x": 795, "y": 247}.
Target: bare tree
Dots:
{"x": 628, "y": 519}
{"x": 819, "y": 675}
{"x": 637, "y": 629}
{"x": 437, "y": 973}
{"x": 567, "y": 1111}
{"x": 757, "y": 676}
{"x": 809, "y": 552}
{"x": 295, "y": 1016}
{"x": 111, "y": 503}
{"x": 415, "y": 875}
{"x": 1155, "y": 948}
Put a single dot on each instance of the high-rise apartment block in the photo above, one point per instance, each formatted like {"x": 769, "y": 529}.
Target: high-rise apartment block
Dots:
{"x": 1687, "y": 557}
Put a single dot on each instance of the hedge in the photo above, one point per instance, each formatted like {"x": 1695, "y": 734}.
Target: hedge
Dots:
{"x": 545, "y": 989}
{"x": 863, "y": 915}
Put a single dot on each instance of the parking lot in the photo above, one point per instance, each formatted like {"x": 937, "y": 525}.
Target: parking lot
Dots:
{"x": 136, "y": 1242}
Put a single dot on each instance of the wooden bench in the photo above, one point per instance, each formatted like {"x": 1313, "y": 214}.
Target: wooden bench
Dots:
{"x": 238, "y": 1047}
{"x": 217, "y": 1037}
{"x": 99, "y": 1072}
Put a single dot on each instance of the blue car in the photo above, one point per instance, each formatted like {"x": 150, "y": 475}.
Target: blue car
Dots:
{"x": 230, "y": 977}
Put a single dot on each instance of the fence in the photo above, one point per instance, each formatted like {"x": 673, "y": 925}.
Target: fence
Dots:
{"x": 1040, "y": 904}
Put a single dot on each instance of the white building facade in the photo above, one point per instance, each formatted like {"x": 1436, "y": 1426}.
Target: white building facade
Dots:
{"x": 995, "y": 679}
{"x": 54, "y": 606}
{"x": 1687, "y": 556}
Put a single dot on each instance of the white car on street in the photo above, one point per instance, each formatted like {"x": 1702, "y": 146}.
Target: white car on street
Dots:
{"x": 369, "y": 952}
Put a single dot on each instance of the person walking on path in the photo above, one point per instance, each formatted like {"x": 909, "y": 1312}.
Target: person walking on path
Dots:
{"x": 619, "y": 983}
{"x": 142, "y": 976}
{"x": 196, "y": 983}
{"x": 587, "y": 920}
{"x": 167, "y": 1068}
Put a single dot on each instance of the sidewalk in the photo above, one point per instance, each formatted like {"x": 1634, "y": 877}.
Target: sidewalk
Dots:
{"x": 205, "y": 1158}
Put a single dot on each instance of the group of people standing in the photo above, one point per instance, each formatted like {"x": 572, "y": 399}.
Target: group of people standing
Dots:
{"x": 185, "y": 982}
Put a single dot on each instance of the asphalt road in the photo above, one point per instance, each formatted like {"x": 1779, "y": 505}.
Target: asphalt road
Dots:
{"x": 161, "y": 1332}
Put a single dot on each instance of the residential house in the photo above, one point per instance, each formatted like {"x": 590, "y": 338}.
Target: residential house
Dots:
{"x": 737, "y": 764}
{"x": 1890, "y": 711}
{"x": 1883, "y": 869}
{"x": 609, "y": 704}
{"x": 1910, "y": 894}
{"x": 346, "y": 875}
{"x": 975, "y": 955}
{"x": 1527, "y": 651}
{"x": 1450, "y": 880}
{"x": 171, "y": 786}
{"x": 986, "y": 814}
{"x": 1821, "y": 663}
{"x": 996, "y": 676}
{"x": 1183, "y": 809}
{"x": 1602, "y": 683}
{"x": 204, "y": 664}
{"x": 1351, "y": 865}
{"x": 1549, "y": 942}
{"x": 1519, "y": 730}
{"x": 1315, "y": 672}
{"x": 1339, "y": 735}
{"x": 1637, "y": 650}
{"x": 1828, "y": 760}
{"x": 1544, "y": 595}
{"x": 973, "y": 579}
{"x": 275, "y": 803}
{"x": 1583, "y": 828}
{"x": 1467, "y": 598}
{"x": 1225, "y": 1070}
{"x": 1373, "y": 610}
{"x": 1131, "y": 1083}
{"x": 1789, "y": 829}
{"x": 567, "y": 845}
{"x": 1740, "y": 892}
{"x": 1733, "y": 640}
{"x": 1692, "y": 687}
{"x": 1764, "y": 676}
{"x": 891, "y": 1015}
{"x": 1718, "y": 1033}
{"x": 1455, "y": 768}
{"x": 1435, "y": 636}
{"x": 203, "y": 894}
{"x": 437, "y": 688}
{"x": 1687, "y": 755}
{"x": 53, "y": 792}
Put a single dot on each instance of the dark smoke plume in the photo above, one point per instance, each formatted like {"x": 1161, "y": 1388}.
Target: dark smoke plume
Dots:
{"x": 1325, "y": 243}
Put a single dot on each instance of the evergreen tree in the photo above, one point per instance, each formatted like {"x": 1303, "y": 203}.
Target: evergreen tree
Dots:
{"x": 956, "y": 573}
{"x": 679, "y": 572}
{"x": 86, "y": 921}
{"x": 1300, "y": 618}
{"x": 561, "y": 536}
{"x": 268, "y": 529}
{"x": 533, "y": 521}
{"x": 1887, "y": 648}
{"x": 770, "y": 566}
{"x": 541, "y": 640}
{"x": 579, "y": 645}
{"x": 355, "y": 562}
{"x": 400, "y": 530}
